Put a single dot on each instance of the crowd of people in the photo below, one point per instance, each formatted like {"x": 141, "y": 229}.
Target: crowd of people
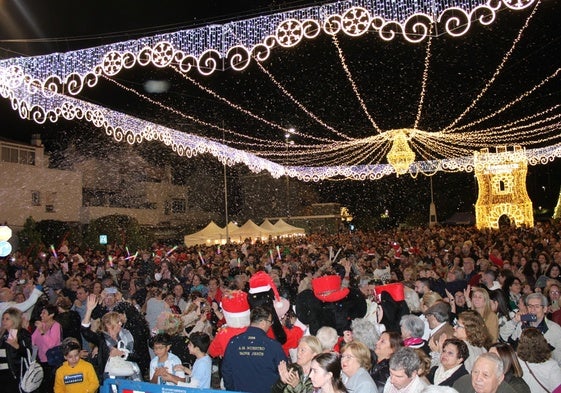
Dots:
{"x": 470, "y": 310}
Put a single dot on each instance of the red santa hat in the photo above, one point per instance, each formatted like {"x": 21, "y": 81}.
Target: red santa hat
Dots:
{"x": 236, "y": 309}
{"x": 262, "y": 282}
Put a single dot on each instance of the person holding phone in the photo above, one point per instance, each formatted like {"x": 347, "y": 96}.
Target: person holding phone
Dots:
{"x": 14, "y": 340}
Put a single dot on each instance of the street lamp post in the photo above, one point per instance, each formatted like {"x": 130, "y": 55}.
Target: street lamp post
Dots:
{"x": 288, "y": 142}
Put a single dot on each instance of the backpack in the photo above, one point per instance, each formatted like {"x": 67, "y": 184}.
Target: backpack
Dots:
{"x": 33, "y": 376}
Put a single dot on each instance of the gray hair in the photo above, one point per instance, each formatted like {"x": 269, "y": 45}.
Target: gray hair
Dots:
{"x": 365, "y": 332}
{"x": 328, "y": 337}
{"x": 405, "y": 359}
{"x": 413, "y": 324}
{"x": 440, "y": 311}
{"x": 537, "y": 296}
{"x": 495, "y": 359}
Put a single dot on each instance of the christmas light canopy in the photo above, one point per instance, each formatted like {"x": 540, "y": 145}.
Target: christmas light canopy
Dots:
{"x": 47, "y": 88}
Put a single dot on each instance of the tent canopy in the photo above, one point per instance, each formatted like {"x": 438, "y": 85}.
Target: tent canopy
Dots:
{"x": 209, "y": 235}
{"x": 284, "y": 228}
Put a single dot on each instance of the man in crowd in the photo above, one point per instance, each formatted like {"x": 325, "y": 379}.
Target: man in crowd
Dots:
{"x": 487, "y": 376}
{"x": 404, "y": 366}
{"x": 251, "y": 359}
{"x": 536, "y": 304}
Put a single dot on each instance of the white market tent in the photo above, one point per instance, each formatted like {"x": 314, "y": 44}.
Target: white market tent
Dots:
{"x": 250, "y": 230}
{"x": 209, "y": 235}
{"x": 268, "y": 226}
{"x": 282, "y": 228}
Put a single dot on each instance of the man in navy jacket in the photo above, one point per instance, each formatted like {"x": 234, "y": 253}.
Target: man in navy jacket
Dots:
{"x": 251, "y": 359}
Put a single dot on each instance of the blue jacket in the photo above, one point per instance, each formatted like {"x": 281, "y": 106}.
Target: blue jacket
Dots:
{"x": 251, "y": 362}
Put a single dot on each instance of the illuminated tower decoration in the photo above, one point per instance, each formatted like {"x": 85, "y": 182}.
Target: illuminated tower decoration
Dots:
{"x": 501, "y": 177}
{"x": 400, "y": 156}
{"x": 557, "y": 211}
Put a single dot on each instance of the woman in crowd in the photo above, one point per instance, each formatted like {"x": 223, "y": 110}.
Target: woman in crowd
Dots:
{"x": 482, "y": 304}
{"x": 532, "y": 272}
{"x": 386, "y": 346}
{"x": 109, "y": 338}
{"x": 68, "y": 319}
{"x": 552, "y": 291}
{"x": 541, "y": 373}
{"x": 412, "y": 329}
{"x": 47, "y": 335}
{"x": 355, "y": 363}
{"x": 297, "y": 379}
{"x": 14, "y": 342}
{"x": 454, "y": 354}
{"x": 198, "y": 285}
{"x": 471, "y": 328}
{"x": 513, "y": 288}
{"x": 155, "y": 305}
{"x": 512, "y": 369}
{"x": 325, "y": 373}
{"x": 499, "y": 305}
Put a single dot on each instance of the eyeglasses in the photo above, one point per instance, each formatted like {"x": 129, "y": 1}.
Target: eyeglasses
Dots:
{"x": 269, "y": 320}
{"x": 534, "y": 306}
{"x": 458, "y": 326}
{"x": 347, "y": 357}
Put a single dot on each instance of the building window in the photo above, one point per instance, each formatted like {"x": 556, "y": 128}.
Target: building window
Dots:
{"x": 178, "y": 206}
{"x": 50, "y": 202}
{"x": 18, "y": 156}
{"x": 35, "y": 198}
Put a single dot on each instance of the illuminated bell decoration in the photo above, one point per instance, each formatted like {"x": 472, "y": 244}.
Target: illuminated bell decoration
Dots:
{"x": 400, "y": 156}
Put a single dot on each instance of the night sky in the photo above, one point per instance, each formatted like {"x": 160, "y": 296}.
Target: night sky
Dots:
{"x": 387, "y": 73}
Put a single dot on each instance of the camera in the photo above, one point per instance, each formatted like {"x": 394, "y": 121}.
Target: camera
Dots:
{"x": 528, "y": 318}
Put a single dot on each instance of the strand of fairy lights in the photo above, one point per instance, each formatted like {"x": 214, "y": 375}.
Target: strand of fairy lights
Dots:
{"x": 300, "y": 105}
{"x": 515, "y": 130}
{"x": 507, "y": 128}
{"x": 511, "y": 103}
{"x": 248, "y": 112}
{"x": 498, "y": 70}
{"x": 265, "y": 142}
{"x": 424, "y": 80}
{"x": 353, "y": 84}
{"x": 529, "y": 132}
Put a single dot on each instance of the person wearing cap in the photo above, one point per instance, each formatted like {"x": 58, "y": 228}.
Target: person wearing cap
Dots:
{"x": 263, "y": 292}
{"x": 328, "y": 303}
{"x": 236, "y": 312}
{"x": 251, "y": 359}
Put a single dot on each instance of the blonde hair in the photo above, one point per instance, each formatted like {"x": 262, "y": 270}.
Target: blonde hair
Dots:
{"x": 487, "y": 310}
{"x": 430, "y": 298}
{"x": 312, "y": 342}
{"x": 360, "y": 351}
{"x": 112, "y": 318}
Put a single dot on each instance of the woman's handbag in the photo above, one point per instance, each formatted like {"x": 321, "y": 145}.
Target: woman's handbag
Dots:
{"x": 117, "y": 366}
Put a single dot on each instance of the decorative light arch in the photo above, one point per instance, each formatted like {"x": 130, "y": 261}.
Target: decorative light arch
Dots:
{"x": 36, "y": 85}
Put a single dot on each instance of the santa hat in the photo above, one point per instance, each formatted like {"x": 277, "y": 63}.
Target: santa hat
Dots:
{"x": 236, "y": 309}
{"x": 262, "y": 282}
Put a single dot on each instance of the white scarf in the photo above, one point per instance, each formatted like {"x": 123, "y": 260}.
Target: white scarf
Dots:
{"x": 442, "y": 375}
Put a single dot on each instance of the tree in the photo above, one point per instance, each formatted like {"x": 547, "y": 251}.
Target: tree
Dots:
{"x": 29, "y": 238}
{"x": 122, "y": 231}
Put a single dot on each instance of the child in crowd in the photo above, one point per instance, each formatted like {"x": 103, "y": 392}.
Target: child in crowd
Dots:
{"x": 163, "y": 366}
{"x": 75, "y": 375}
{"x": 202, "y": 368}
